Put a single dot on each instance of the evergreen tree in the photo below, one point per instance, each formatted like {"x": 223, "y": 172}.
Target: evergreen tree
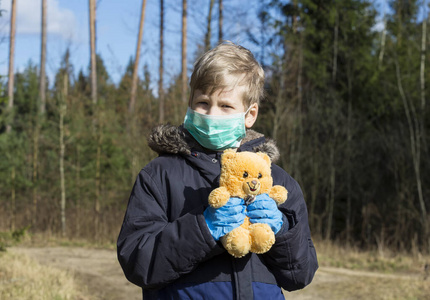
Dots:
{"x": 318, "y": 84}
{"x": 405, "y": 116}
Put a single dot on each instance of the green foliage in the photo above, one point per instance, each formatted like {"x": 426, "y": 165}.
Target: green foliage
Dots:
{"x": 344, "y": 134}
{"x": 12, "y": 238}
{"x": 333, "y": 105}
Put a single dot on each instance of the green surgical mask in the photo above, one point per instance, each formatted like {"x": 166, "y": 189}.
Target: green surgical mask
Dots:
{"x": 216, "y": 132}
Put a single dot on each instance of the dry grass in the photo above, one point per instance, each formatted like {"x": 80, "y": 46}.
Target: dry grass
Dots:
{"x": 347, "y": 273}
{"x": 23, "y": 278}
{"x": 49, "y": 240}
{"x": 338, "y": 286}
{"x": 389, "y": 262}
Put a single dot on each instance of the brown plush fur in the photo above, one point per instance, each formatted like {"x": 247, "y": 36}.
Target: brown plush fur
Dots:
{"x": 245, "y": 174}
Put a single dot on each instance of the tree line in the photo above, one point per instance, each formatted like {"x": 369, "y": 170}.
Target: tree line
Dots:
{"x": 346, "y": 103}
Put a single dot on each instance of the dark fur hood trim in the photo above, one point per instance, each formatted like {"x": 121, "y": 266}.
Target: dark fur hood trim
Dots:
{"x": 168, "y": 139}
{"x": 270, "y": 148}
{"x": 176, "y": 140}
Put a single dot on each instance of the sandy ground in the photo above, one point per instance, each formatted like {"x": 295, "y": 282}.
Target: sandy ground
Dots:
{"x": 101, "y": 276}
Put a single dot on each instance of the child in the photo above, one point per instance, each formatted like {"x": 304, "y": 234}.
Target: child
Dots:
{"x": 169, "y": 242}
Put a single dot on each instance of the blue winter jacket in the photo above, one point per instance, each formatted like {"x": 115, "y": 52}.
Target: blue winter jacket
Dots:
{"x": 166, "y": 248}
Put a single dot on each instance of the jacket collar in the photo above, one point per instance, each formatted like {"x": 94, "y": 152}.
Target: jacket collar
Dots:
{"x": 169, "y": 139}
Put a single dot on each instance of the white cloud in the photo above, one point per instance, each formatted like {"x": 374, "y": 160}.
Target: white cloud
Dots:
{"x": 60, "y": 21}
{"x": 379, "y": 26}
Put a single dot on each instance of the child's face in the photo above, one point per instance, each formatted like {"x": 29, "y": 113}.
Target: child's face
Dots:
{"x": 224, "y": 102}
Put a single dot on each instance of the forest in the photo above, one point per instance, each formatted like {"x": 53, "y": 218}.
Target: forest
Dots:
{"x": 346, "y": 103}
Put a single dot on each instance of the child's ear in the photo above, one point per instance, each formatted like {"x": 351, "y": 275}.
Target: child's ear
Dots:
{"x": 251, "y": 116}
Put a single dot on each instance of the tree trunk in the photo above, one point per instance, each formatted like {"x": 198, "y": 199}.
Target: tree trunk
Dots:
{"x": 42, "y": 85}
{"x": 415, "y": 143}
{"x": 13, "y": 200}
{"x": 10, "y": 84}
{"x": 220, "y": 21}
{"x": 36, "y": 134}
{"x": 335, "y": 48}
{"x": 349, "y": 133}
{"x": 10, "y": 90}
{"x": 299, "y": 116}
{"x": 98, "y": 184}
{"x": 209, "y": 27}
{"x": 92, "y": 9}
{"x": 136, "y": 60}
{"x": 41, "y": 113}
{"x": 399, "y": 25}
{"x": 349, "y": 156}
{"x": 422, "y": 122}
{"x": 184, "y": 77}
{"x": 161, "y": 67}
{"x": 299, "y": 88}
{"x": 383, "y": 37}
{"x": 78, "y": 190}
{"x": 314, "y": 188}
{"x": 422, "y": 78}
{"x": 330, "y": 206}
{"x": 423, "y": 63}
{"x": 62, "y": 110}
{"x": 96, "y": 121}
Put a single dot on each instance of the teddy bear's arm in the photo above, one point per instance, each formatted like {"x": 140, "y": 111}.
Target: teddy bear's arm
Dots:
{"x": 279, "y": 194}
{"x": 219, "y": 197}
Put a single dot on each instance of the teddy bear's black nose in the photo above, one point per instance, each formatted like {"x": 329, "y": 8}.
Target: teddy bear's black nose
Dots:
{"x": 254, "y": 182}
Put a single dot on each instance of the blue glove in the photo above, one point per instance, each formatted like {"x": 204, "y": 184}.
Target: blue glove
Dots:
{"x": 265, "y": 210}
{"x": 226, "y": 218}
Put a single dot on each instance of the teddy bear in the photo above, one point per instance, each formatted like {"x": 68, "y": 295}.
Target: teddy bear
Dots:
{"x": 246, "y": 175}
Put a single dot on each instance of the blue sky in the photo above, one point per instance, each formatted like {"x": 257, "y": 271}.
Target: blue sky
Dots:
{"x": 117, "y": 27}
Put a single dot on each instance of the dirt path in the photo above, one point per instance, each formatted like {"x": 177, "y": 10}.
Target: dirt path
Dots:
{"x": 101, "y": 276}
{"x": 337, "y": 283}
{"x": 98, "y": 270}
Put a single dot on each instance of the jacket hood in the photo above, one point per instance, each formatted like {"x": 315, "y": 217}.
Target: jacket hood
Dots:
{"x": 170, "y": 139}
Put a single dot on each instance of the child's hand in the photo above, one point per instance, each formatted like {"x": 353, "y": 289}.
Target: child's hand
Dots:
{"x": 265, "y": 210}
{"x": 226, "y": 218}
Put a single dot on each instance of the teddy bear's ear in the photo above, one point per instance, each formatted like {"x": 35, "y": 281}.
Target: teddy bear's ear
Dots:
{"x": 265, "y": 157}
{"x": 227, "y": 155}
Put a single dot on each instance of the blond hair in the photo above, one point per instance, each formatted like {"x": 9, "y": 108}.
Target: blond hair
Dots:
{"x": 211, "y": 69}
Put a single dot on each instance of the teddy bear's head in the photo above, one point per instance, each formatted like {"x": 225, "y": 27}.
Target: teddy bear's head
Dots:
{"x": 245, "y": 173}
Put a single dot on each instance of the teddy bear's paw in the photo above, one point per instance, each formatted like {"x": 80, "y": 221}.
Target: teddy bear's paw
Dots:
{"x": 262, "y": 238}
{"x": 218, "y": 197}
{"x": 279, "y": 194}
{"x": 237, "y": 242}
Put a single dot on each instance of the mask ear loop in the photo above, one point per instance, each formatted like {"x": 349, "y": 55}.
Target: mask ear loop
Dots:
{"x": 247, "y": 111}
{"x": 244, "y": 120}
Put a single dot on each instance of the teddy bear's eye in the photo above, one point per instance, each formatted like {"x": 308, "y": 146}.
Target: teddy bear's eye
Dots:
{"x": 245, "y": 174}
{"x": 259, "y": 175}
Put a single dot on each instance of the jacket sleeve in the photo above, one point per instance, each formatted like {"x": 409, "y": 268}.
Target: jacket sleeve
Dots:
{"x": 292, "y": 258}
{"x": 153, "y": 251}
